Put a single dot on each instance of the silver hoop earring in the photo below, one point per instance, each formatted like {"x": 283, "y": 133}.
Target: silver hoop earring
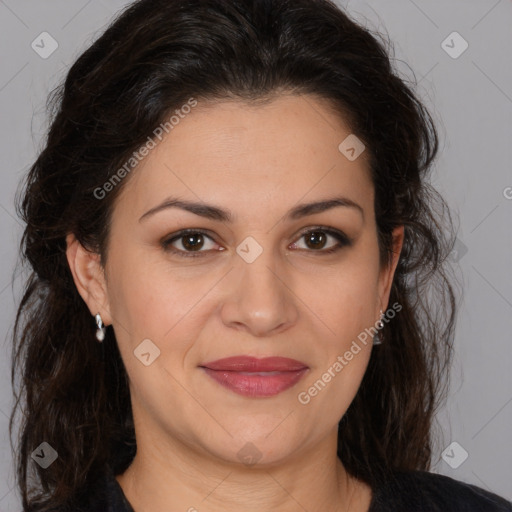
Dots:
{"x": 380, "y": 322}
{"x": 100, "y": 331}
{"x": 377, "y": 340}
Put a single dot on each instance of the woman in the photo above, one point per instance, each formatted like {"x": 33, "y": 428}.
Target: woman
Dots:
{"x": 232, "y": 237}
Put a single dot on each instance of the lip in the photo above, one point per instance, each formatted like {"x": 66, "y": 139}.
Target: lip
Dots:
{"x": 243, "y": 374}
{"x": 253, "y": 364}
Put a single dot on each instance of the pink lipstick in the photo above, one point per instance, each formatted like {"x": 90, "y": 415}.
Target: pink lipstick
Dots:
{"x": 249, "y": 376}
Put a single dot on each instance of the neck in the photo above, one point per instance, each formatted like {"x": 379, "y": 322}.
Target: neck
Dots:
{"x": 180, "y": 478}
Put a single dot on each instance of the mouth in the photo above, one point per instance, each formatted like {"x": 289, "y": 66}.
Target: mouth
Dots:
{"x": 252, "y": 377}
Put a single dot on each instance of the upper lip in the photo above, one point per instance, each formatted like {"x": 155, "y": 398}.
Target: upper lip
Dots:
{"x": 253, "y": 364}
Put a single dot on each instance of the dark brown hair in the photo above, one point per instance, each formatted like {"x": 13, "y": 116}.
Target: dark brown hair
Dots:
{"x": 156, "y": 55}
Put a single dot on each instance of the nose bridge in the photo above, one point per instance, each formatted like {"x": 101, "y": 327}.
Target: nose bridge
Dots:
{"x": 258, "y": 266}
{"x": 260, "y": 259}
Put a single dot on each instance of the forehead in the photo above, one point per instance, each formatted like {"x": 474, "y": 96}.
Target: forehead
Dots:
{"x": 252, "y": 157}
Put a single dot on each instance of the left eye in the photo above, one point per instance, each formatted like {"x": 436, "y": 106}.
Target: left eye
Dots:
{"x": 193, "y": 240}
{"x": 318, "y": 236}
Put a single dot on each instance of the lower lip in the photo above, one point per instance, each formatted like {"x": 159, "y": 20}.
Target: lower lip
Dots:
{"x": 256, "y": 385}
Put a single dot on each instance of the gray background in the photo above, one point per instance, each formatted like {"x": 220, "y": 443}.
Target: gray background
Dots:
{"x": 471, "y": 100}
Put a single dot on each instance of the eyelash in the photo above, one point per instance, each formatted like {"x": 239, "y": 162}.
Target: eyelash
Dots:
{"x": 343, "y": 241}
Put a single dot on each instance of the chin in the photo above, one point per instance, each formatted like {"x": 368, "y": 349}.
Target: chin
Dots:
{"x": 258, "y": 448}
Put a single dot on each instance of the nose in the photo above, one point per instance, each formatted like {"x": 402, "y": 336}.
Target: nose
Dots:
{"x": 262, "y": 302}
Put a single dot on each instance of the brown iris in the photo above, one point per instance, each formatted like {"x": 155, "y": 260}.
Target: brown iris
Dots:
{"x": 190, "y": 241}
{"x": 315, "y": 239}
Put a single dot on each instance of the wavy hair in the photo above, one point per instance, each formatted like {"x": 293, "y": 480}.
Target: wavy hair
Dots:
{"x": 156, "y": 54}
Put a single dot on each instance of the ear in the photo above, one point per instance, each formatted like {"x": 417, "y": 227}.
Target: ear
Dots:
{"x": 89, "y": 278}
{"x": 387, "y": 273}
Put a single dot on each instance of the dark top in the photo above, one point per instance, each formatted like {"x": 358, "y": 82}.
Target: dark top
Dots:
{"x": 413, "y": 491}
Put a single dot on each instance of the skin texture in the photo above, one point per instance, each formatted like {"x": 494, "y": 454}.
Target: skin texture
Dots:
{"x": 292, "y": 301}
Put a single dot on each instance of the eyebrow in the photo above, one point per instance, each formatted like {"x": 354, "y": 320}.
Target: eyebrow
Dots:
{"x": 215, "y": 213}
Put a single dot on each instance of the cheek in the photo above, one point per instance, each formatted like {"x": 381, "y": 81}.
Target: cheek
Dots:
{"x": 144, "y": 298}
{"x": 152, "y": 301}
{"x": 345, "y": 305}
{"x": 326, "y": 396}
{"x": 344, "y": 300}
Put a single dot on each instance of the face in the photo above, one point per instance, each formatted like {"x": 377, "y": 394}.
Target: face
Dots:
{"x": 266, "y": 278}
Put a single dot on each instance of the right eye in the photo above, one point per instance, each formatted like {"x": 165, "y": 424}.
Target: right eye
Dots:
{"x": 190, "y": 240}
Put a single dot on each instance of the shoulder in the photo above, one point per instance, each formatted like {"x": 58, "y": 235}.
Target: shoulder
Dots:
{"x": 420, "y": 491}
{"x": 102, "y": 493}
{"x": 105, "y": 495}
